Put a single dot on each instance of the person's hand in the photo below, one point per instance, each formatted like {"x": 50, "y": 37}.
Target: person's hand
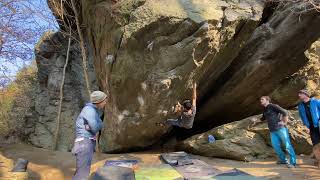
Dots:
{"x": 194, "y": 85}
{"x": 177, "y": 107}
{"x": 308, "y": 130}
{"x": 253, "y": 123}
{"x": 87, "y": 127}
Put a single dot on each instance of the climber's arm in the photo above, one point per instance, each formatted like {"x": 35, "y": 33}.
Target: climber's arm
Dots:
{"x": 283, "y": 112}
{"x": 256, "y": 121}
{"x": 194, "y": 94}
{"x": 263, "y": 118}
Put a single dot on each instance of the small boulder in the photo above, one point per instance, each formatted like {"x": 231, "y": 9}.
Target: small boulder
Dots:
{"x": 243, "y": 140}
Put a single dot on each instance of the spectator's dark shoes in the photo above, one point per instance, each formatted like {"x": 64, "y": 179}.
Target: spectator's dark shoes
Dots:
{"x": 283, "y": 162}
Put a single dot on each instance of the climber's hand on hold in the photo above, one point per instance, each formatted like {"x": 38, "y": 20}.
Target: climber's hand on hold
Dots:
{"x": 177, "y": 107}
{"x": 256, "y": 121}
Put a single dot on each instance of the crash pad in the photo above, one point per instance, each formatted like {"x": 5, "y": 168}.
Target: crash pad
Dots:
{"x": 122, "y": 163}
{"x": 236, "y": 174}
{"x": 233, "y": 172}
{"x": 113, "y": 173}
{"x": 176, "y": 158}
{"x": 195, "y": 169}
{"x": 198, "y": 169}
{"x": 157, "y": 172}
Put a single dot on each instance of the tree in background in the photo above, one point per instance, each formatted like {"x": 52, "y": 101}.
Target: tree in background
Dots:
{"x": 16, "y": 103}
{"x": 19, "y": 33}
{"x": 22, "y": 22}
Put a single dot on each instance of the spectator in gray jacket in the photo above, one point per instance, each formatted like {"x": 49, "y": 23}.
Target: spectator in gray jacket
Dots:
{"x": 88, "y": 125}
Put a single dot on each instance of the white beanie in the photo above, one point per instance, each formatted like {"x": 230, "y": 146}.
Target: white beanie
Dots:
{"x": 97, "y": 97}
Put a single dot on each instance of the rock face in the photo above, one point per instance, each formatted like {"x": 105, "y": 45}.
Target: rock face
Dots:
{"x": 146, "y": 53}
{"x": 307, "y": 77}
{"x": 157, "y": 51}
{"x": 261, "y": 65}
{"x": 50, "y": 57}
{"x": 241, "y": 140}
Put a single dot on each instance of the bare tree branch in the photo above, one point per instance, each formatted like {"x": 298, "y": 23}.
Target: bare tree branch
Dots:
{"x": 56, "y": 138}
{"x": 22, "y": 23}
{"x": 83, "y": 49}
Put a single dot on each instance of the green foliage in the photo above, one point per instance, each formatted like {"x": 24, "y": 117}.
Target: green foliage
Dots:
{"x": 16, "y": 102}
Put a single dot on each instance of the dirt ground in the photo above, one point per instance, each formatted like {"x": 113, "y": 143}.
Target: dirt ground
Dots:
{"x": 49, "y": 165}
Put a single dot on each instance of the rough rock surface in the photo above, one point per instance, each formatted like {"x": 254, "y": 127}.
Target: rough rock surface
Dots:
{"x": 268, "y": 57}
{"x": 50, "y": 57}
{"x": 147, "y": 52}
{"x": 150, "y": 58}
{"x": 307, "y": 77}
{"x": 241, "y": 140}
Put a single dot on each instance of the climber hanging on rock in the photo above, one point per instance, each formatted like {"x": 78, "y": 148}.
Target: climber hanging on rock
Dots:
{"x": 88, "y": 125}
{"x": 186, "y": 110}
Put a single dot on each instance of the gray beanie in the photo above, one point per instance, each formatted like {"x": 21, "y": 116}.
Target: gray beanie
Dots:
{"x": 305, "y": 92}
{"x": 97, "y": 97}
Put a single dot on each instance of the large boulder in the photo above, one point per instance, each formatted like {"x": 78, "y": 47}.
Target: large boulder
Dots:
{"x": 230, "y": 49}
{"x": 265, "y": 61}
{"x": 146, "y": 53}
{"x": 243, "y": 140}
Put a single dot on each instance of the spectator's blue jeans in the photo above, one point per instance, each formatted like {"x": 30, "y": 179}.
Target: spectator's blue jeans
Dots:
{"x": 281, "y": 137}
{"x": 83, "y": 151}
